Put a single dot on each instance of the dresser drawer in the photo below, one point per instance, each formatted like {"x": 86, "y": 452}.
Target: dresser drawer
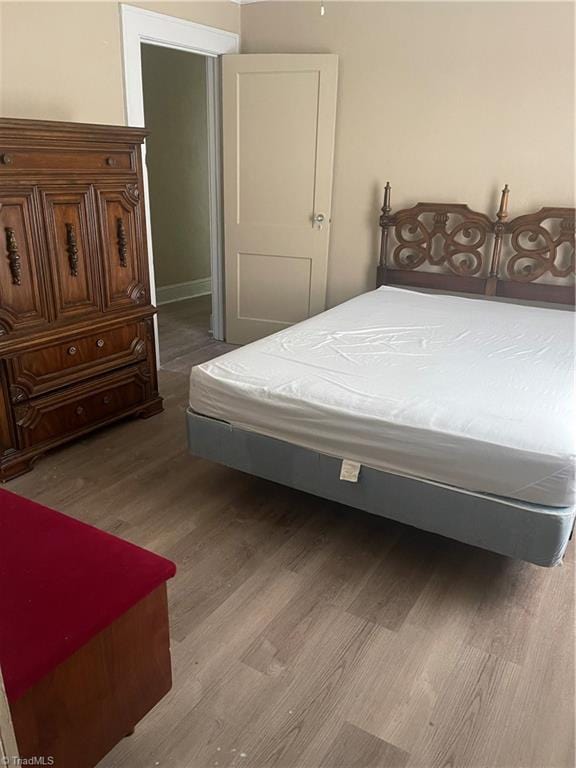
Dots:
{"x": 41, "y": 370}
{"x": 78, "y": 409}
{"x": 81, "y": 160}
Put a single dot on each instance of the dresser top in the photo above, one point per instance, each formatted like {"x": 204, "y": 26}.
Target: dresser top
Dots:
{"x": 24, "y": 129}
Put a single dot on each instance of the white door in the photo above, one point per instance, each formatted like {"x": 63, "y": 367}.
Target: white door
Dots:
{"x": 279, "y": 114}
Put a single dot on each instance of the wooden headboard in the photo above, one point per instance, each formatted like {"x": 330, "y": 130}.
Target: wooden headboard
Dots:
{"x": 453, "y": 248}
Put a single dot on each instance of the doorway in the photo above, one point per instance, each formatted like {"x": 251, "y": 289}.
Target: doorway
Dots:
{"x": 142, "y": 30}
{"x": 174, "y": 85}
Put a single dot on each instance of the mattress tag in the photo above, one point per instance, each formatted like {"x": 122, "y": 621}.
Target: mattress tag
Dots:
{"x": 350, "y": 470}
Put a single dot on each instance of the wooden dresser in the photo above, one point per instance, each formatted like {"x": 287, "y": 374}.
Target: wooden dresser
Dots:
{"x": 76, "y": 322}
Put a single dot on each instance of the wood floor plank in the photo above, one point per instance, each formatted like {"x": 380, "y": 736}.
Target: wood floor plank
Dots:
{"x": 206, "y": 670}
{"x": 399, "y": 682}
{"x": 449, "y": 601}
{"x": 331, "y": 578}
{"x": 240, "y": 543}
{"x": 541, "y": 732}
{"x": 501, "y": 625}
{"x": 308, "y": 634}
{"x": 311, "y": 696}
{"x": 469, "y": 711}
{"x": 354, "y": 748}
{"x": 394, "y": 588}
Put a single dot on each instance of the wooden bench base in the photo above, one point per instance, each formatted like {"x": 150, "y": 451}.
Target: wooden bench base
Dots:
{"x": 87, "y": 704}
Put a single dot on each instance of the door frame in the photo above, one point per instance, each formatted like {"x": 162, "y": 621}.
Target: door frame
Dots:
{"x": 143, "y": 26}
{"x": 8, "y": 746}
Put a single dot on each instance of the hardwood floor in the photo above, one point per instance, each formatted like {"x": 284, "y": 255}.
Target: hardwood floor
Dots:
{"x": 184, "y": 335}
{"x": 309, "y": 635}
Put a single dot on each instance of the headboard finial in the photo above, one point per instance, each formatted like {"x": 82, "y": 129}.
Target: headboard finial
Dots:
{"x": 386, "y": 221}
{"x": 499, "y": 228}
{"x": 503, "y": 210}
{"x": 386, "y": 207}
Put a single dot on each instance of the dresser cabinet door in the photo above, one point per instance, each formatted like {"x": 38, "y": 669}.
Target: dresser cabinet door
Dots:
{"x": 123, "y": 251}
{"x": 22, "y": 293}
{"x": 72, "y": 248}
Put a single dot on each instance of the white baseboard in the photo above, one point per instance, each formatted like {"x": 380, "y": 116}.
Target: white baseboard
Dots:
{"x": 166, "y": 294}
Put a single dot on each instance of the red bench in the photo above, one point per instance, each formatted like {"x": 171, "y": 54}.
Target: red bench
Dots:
{"x": 84, "y": 637}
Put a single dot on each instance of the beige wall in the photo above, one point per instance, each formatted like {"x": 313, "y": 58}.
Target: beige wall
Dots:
{"x": 177, "y": 157}
{"x": 63, "y": 60}
{"x": 446, "y": 100}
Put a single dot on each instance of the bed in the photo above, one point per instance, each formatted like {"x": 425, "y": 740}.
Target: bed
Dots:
{"x": 432, "y": 400}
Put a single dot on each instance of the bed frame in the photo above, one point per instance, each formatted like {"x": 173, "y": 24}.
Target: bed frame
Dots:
{"x": 445, "y": 247}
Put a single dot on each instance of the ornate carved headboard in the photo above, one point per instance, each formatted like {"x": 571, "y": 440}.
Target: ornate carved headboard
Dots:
{"x": 451, "y": 247}
{"x": 539, "y": 257}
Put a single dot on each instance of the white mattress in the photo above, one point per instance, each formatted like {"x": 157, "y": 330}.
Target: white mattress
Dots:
{"x": 466, "y": 392}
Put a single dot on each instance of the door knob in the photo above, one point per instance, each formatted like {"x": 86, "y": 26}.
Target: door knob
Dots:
{"x": 317, "y": 220}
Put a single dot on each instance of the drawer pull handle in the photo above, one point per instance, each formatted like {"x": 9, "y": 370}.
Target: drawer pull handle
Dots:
{"x": 79, "y": 410}
{"x": 111, "y": 162}
{"x": 107, "y": 400}
{"x": 6, "y": 159}
{"x": 72, "y": 249}
{"x": 13, "y": 256}
{"x": 72, "y": 350}
{"x": 100, "y": 343}
{"x": 122, "y": 242}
